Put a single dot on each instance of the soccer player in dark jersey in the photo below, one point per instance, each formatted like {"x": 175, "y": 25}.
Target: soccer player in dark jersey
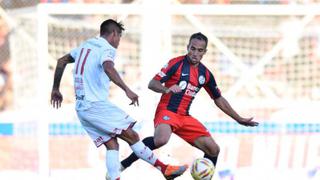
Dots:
{"x": 179, "y": 81}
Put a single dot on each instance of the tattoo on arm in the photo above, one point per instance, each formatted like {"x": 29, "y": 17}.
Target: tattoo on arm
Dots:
{"x": 70, "y": 59}
{"x": 57, "y": 77}
{"x": 61, "y": 64}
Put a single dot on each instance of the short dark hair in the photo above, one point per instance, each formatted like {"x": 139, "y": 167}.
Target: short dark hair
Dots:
{"x": 109, "y": 25}
{"x": 199, "y": 36}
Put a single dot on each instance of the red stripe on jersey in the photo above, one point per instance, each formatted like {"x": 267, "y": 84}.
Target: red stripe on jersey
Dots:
{"x": 211, "y": 86}
{"x": 167, "y": 67}
{"x": 165, "y": 98}
{"x": 78, "y": 62}
{"x": 207, "y": 76}
{"x": 84, "y": 60}
{"x": 187, "y": 99}
{"x": 179, "y": 71}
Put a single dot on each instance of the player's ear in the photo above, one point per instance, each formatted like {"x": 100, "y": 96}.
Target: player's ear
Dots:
{"x": 114, "y": 32}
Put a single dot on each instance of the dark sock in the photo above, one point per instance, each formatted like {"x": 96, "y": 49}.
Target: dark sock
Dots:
{"x": 212, "y": 159}
{"x": 148, "y": 141}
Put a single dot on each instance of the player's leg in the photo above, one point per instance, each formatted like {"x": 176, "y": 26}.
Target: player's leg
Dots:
{"x": 209, "y": 147}
{"x": 149, "y": 142}
{"x": 163, "y": 121}
{"x": 196, "y": 134}
{"x": 112, "y": 162}
{"x": 143, "y": 152}
{"x": 103, "y": 121}
{"x": 162, "y": 136}
{"x": 93, "y": 122}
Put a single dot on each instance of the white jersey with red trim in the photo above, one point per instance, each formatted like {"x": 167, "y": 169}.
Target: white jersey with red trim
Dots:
{"x": 91, "y": 83}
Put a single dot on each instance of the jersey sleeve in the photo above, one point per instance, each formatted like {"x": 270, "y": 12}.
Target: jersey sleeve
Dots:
{"x": 211, "y": 86}
{"x": 167, "y": 71}
{"x": 74, "y": 53}
{"x": 108, "y": 54}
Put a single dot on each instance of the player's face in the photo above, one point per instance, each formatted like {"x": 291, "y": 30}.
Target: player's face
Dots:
{"x": 196, "y": 50}
{"x": 116, "y": 39}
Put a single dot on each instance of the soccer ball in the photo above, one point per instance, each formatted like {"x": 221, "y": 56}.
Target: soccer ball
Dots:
{"x": 202, "y": 169}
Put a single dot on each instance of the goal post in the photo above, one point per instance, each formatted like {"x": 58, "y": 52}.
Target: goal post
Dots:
{"x": 43, "y": 92}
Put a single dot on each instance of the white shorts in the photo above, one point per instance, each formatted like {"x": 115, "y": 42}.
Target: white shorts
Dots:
{"x": 104, "y": 120}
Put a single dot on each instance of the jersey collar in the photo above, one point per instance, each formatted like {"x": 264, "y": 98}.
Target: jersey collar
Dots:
{"x": 105, "y": 41}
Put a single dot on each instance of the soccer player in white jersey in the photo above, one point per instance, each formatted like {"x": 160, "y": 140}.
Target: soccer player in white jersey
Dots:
{"x": 103, "y": 121}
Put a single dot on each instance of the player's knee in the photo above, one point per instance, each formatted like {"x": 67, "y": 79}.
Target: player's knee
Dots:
{"x": 135, "y": 136}
{"x": 160, "y": 141}
{"x": 214, "y": 150}
{"x": 112, "y": 144}
{"x": 130, "y": 136}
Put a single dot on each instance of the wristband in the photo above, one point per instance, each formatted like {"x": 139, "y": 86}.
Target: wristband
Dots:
{"x": 167, "y": 91}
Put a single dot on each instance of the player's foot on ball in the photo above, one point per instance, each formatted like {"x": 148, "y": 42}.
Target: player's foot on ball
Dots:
{"x": 172, "y": 172}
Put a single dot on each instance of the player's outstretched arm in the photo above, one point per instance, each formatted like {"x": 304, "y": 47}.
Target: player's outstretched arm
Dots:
{"x": 224, "y": 105}
{"x": 56, "y": 96}
{"x": 114, "y": 76}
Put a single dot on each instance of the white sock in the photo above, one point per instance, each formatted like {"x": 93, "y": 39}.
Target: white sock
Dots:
{"x": 143, "y": 152}
{"x": 113, "y": 164}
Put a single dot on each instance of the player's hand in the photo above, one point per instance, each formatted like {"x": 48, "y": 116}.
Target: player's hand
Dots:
{"x": 133, "y": 97}
{"x": 175, "y": 89}
{"x": 247, "y": 122}
{"x": 56, "y": 98}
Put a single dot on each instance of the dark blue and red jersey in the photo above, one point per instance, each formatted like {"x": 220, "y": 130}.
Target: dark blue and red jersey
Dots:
{"x": 190, "y": 79}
